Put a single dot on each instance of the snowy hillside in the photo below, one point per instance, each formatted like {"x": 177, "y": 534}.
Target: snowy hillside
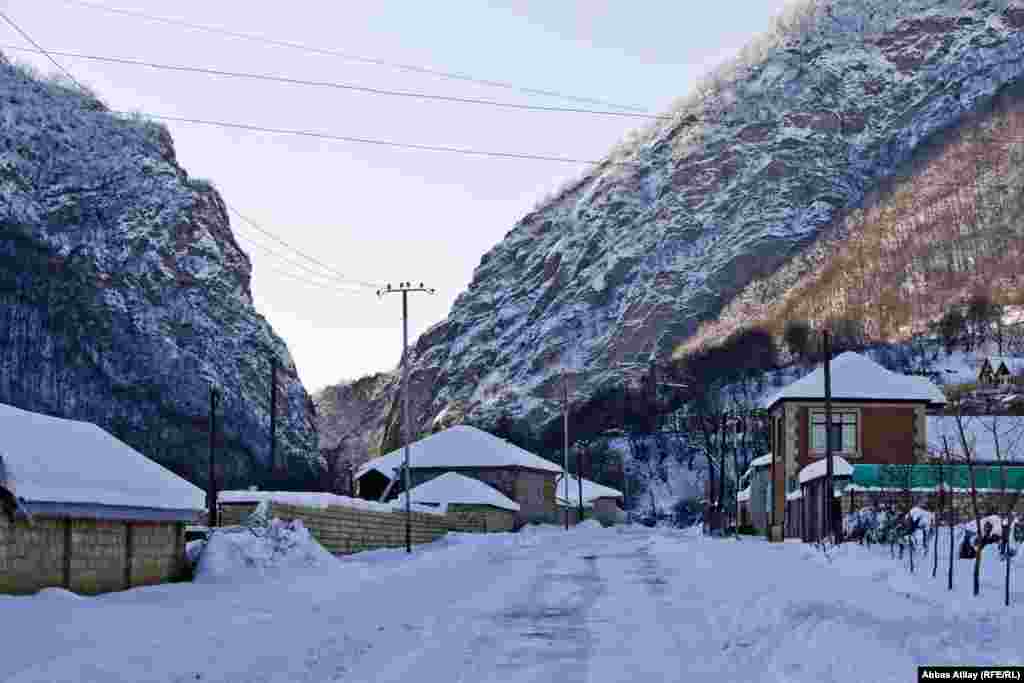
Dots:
{"x": 760, "y": 164}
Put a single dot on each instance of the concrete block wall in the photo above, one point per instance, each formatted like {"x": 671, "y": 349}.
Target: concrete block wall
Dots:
{"x": 88, "y": 556}
{"x": 31, "y": 557}
{"x": 343, "y": 530}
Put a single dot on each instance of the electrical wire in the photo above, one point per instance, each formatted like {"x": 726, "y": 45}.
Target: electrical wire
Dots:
{"x": 383, "y": 143}
{"x": 351, "y": 57}
{"x": 307, "y": 270}
{"x": 159, "y": 153}
{"x": 334, "y": 85}
{"x": 257, "y": 227}
{"x": 40, "y": 49}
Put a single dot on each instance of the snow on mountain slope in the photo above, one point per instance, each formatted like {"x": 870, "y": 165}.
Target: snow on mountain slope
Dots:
{"x": 124, "y": 296}
{"x": 751, "y": 170}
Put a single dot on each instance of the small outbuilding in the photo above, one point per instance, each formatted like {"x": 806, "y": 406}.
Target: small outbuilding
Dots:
{"x": 84, "y": 511}
{"x": 600, "y": 502}
{"x": 455, "y": 495}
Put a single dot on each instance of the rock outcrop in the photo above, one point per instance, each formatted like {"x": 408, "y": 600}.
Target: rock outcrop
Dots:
{"x": 124, "y": 296}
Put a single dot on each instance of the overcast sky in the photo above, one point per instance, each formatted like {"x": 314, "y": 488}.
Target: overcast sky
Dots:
{"x": 374, "y": 213}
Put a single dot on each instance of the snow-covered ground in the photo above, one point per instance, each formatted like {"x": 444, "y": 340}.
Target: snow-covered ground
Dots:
{"x": 591, "y": 604}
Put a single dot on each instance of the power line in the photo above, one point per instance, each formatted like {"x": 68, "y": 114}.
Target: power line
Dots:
{"x": 352, "y": 57}
{"x": 383, "y": 143}
{"x": 256, "y": 226}
{"x": 325, "y": 280}
{"x": 159, "y": 153}
{"x": 40, "y": 49}
{"x": 322, "y": 286}
{"x": 337, "y": 86}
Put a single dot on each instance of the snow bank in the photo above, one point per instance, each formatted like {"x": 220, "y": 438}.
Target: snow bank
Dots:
{"x": 238, "y": 552}
{"x": 193, "y": 550}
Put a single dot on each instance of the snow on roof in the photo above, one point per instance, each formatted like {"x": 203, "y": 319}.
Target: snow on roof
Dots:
{"x": 743, "y": 495}
{"x": 761, "y": 461}
{"x": 816, "y": 470}
{"x": 53, "y": 460}
{"x": 795, "y": 495}
{"x": 459, "y": 446}
{"x": 452, "y": 487}
{"x": 858, "y": 377}
{"x": 319, "y": 501}
{"x": 591, "y": 491}
{"x": 980, "y": 436}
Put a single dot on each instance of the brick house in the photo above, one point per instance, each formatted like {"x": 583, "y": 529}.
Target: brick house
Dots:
{"x": 84, "y": 511}
{"x": 878, "y": 417}
{"x": 523, "y": 477}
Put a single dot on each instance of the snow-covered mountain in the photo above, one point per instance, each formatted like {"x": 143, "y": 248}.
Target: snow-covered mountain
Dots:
{"x": 754, "y": 178}
{"x": 124, "y": 295}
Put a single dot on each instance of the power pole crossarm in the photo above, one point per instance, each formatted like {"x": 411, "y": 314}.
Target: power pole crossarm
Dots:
{"x": 405, "y": 288}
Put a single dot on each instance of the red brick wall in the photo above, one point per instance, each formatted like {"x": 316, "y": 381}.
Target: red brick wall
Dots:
{"x": 888, "y": 435}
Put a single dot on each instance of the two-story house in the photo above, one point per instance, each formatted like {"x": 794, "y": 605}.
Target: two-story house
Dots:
{"x": 878, "y": 417}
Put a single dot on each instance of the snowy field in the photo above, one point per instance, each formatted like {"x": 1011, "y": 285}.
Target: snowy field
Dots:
{"x": 622, "y": 604}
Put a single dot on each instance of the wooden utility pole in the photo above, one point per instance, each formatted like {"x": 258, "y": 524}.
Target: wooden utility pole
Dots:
{"x": 212, "y": 496}
{"x": 405, "y": 288}
{"x": 565, "y": 443}
{"x": 273, "y": 413}
{"x": 829, "y": 491}
{"x": 579, "y": 480}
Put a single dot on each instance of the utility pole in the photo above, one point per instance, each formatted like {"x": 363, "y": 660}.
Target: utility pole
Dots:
{"x": 565, "y": 443}
{"x": 404, "y": 288}
{"x": 579, "y": 480}
{"x": 273, "y": 413}
{"x": 829, "y": 491}
{"x": 212, "y": 496}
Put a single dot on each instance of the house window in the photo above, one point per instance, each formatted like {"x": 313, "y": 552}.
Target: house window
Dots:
{"x": 842, "y": 435}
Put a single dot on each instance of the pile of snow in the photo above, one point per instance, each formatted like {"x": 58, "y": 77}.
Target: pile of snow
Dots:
{"x": 193, "y": 550}
{"x": 319, "y": 501}
{"x": 234, "y": 553}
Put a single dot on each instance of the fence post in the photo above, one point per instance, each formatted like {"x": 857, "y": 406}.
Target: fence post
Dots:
{"x": 67, "y": 553}
{"x": 129, "y": 551}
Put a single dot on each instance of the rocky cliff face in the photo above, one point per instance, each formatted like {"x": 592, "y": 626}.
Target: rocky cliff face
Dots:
{"x": 751, "y": 172}
{"x": 124, "y": 296}
{"x": 349, "y": 416}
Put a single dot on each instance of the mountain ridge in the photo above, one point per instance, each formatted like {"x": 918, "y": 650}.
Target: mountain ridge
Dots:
{"x": 754, "y": 169}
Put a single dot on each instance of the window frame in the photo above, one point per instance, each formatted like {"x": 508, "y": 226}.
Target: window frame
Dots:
{"x": 848, "y": 423}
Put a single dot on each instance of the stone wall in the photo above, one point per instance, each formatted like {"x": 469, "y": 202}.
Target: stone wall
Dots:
{"x": 344, "y": 530}
{"x": 480, "y": 518}
{"x": 535, "y": 493}
{"x": 88, "y": 556}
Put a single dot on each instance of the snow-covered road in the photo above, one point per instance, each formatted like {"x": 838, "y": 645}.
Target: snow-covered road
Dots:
{"x": 543, "y": 605}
